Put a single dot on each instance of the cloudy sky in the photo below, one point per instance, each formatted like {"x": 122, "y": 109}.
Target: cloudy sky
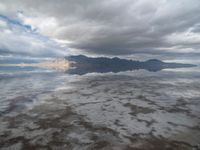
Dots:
{"x": 55, "y": 28}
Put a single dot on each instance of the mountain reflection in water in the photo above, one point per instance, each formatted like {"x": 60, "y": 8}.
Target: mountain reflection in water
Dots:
{"x": 108, "y": 111}
{"x": 83, "y": 65}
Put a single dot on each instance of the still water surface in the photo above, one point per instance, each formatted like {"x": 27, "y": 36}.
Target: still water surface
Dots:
{"x": 45, "y": 109}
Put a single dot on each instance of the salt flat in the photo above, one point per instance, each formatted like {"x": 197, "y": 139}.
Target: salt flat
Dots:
{"x": 127, "y": 110}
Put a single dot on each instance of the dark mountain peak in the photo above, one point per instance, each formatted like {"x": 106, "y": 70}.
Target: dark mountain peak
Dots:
{"x": 116, "y": 58}
{"x": 76, "y": 57}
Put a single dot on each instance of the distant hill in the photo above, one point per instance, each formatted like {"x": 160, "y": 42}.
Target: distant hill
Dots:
{"x": 83, "y": 64}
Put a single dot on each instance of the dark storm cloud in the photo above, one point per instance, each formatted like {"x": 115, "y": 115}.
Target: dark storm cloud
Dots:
{"x": 113, "y": 27}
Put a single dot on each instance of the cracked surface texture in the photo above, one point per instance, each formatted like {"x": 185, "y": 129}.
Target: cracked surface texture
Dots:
{"x": 129, "y": 110}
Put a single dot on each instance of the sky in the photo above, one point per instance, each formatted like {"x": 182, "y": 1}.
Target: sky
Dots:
{"x": 125, "y": 28}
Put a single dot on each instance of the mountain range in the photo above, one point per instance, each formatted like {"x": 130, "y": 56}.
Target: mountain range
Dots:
{"x": 83, "y": 65}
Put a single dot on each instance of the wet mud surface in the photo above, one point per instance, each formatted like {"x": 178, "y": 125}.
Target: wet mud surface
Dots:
{"x": 101, "y": 112}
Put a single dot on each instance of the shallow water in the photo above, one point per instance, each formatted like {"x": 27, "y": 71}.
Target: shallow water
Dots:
{"x": 42, "y": 109}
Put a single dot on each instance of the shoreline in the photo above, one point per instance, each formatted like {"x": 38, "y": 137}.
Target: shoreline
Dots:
{"x": 58, "y": 64}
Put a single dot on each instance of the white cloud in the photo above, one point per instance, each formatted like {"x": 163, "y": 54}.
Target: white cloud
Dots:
{"x": 184, "y": 38}
{"x": 17, "y": 39}
{"x": 3, "y": 24}
{"x": 45, "y": 25}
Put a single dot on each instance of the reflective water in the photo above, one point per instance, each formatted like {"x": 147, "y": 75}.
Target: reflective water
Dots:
{"x": 42, "y": 109}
